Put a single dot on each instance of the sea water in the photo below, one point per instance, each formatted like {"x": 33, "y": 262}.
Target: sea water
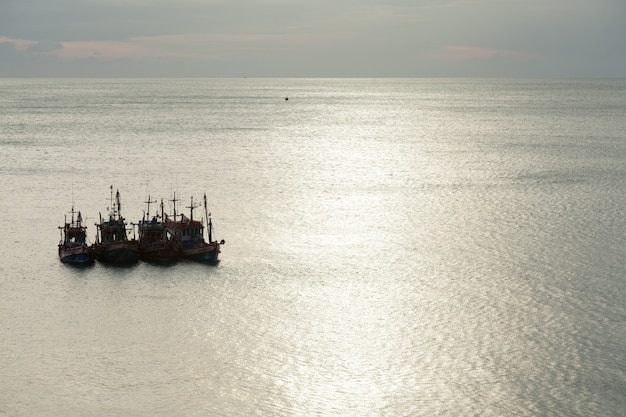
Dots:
{"x": 399, "y": 247}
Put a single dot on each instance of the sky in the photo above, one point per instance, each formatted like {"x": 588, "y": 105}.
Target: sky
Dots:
{"x": 313, "y": 38}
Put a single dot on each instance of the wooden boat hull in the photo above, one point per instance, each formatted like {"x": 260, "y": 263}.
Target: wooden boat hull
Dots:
{"x": 203, "y": 252}
{"x": 158, "y": 252}
{"x": 126, "y": 252}
{"x": 77, "y": 255}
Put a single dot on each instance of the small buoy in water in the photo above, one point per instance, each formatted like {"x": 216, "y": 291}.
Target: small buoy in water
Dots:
{"x": 286, "y": 98}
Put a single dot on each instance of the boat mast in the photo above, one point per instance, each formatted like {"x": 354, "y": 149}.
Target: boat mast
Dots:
{"x": 174, "y": 201}
{"x": 119, "y": 204}
{"x": 112, "y": 209}
{"x": 163, "y": 220}
{"x": 147, "y": 216}
{"x": 208, "y": 216}
{"x": 98, "y": 228}
{"x": 191, "y": 207}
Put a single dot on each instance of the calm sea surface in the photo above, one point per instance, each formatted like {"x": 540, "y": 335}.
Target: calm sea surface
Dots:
{"x": 404, "y": 247}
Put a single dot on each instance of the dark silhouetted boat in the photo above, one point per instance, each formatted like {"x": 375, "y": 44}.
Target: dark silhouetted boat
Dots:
{"x": 188, "y": 234}
{"x": 73, "y": 247}
{"x": 155, "y": 244}
{"x": 112, "y": 243}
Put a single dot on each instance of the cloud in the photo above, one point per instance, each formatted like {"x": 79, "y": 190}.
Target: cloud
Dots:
{"x": 45, "y": 46}
{"x": 464, "y": 53}
{"x": 105, "y": 50}
{"x": 18, "y": 44}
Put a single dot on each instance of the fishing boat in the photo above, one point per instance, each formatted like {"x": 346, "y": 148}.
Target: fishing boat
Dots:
{"x": 73, "y": 247}
{"x": 155, "y": 244}
{"x": 112, "y": 243}
{"x": 188, "y": 235}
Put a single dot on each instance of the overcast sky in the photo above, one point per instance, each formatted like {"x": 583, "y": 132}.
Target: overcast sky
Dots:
{"x": 313, "y": 38}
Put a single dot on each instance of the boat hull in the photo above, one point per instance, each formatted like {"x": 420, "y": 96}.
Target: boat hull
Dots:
{"x": 118, "y": 252}
{"x": 206, "y": 252}
{"x": 80, "y": 255}
{"x": 158, "y": 252}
